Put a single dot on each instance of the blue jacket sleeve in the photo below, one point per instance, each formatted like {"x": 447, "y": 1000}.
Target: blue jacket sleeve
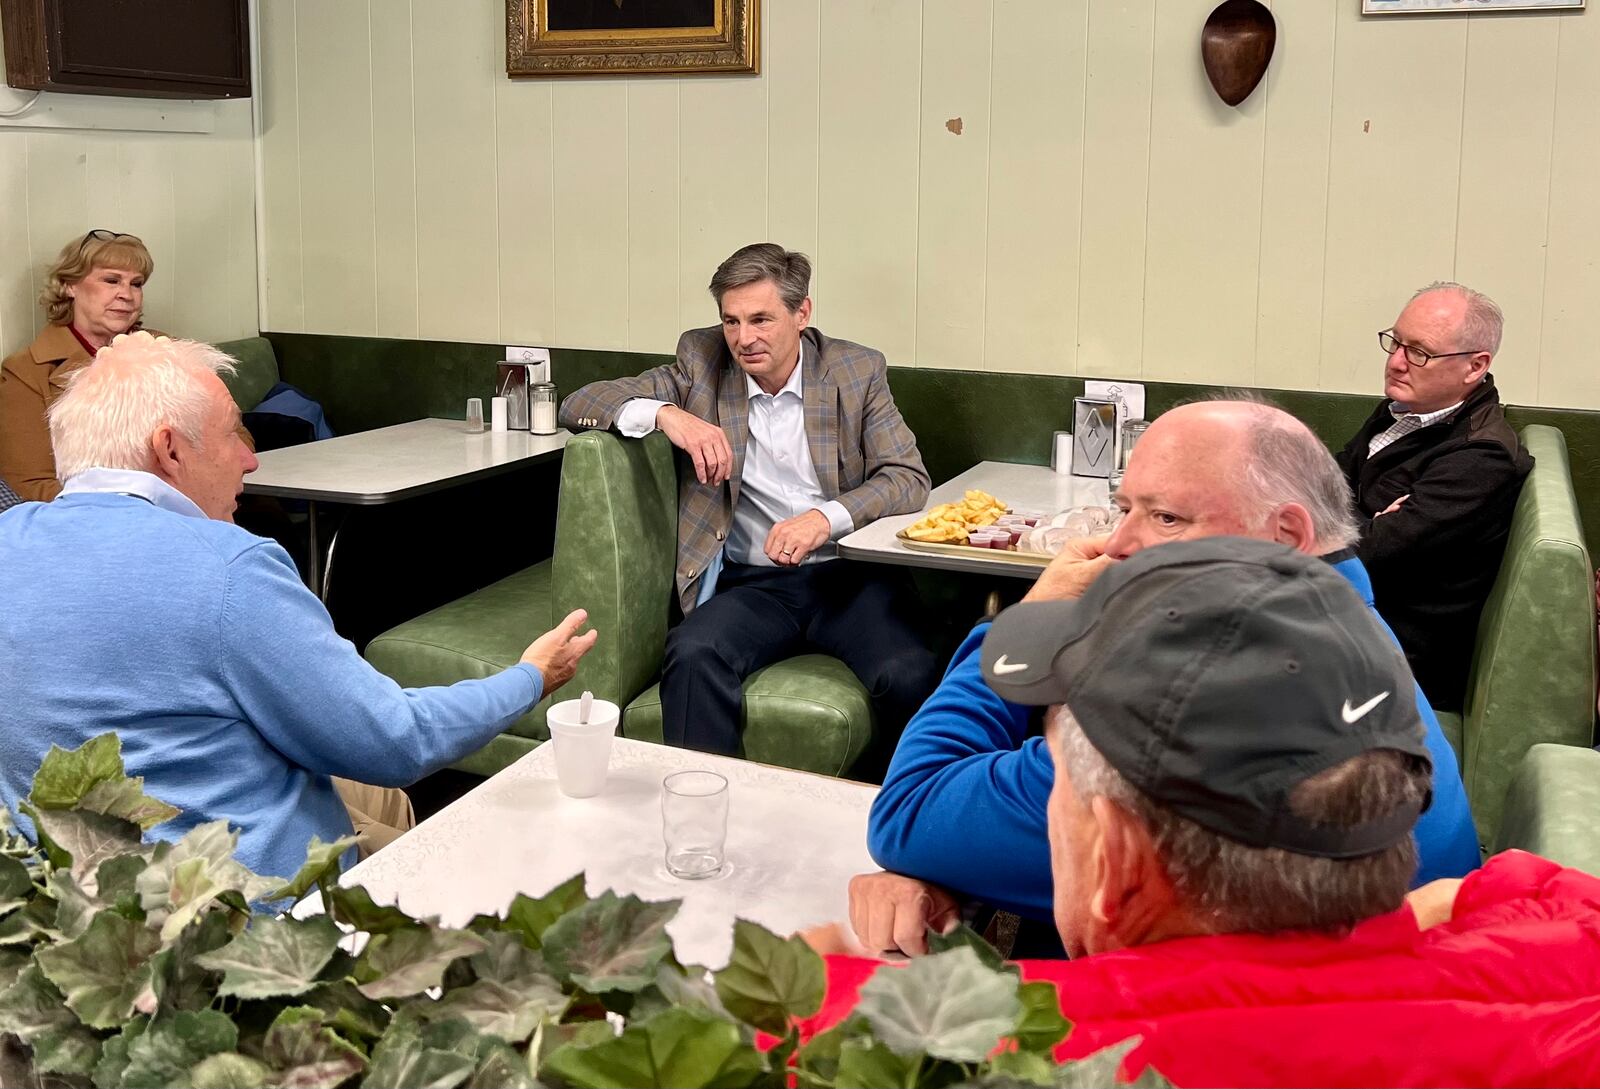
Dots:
{"x": 963, "y": 804}
{"x": 317, "y": 701}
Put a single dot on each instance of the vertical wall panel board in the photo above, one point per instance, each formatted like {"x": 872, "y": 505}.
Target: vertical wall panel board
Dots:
{"x": 722, "y": 165}
{"x": 1204, "y": 221}
{"x": 147, "y": 165}
{"x": 1035, "y": 178}
{"x": 454, "y": 75}
{"x": 524, "y": 116}
{"x": 790, "y": 65}
{"x": 867, "y": 191}
{"x": 336, "y": 148}
{"x": 198, "y": 268}
{"x": 1116, "y": 175}
{"x": 19, "y": 314}
{"x": 280, "y": 172}
{"x": 394, "y": 168}
{"x": 1394, "y": 181}
{"x": 57, "y": 199}
{"x": 1506, "y": 140}
{"x": 1569, "y": 375}
{"x": 591, "y": 213}
{"x": 103, "y": 190}
{"x": 243, "y": 316}
{"x": 653, "y": 178}
{"x": 1294, "y": 198}
{"x": 953, "y": 183}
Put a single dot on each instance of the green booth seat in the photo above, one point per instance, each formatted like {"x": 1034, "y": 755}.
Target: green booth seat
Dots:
{"x": 615, "y": 548}
{"x": 1533, "y": 663}
{"x": 1551, "y": 804}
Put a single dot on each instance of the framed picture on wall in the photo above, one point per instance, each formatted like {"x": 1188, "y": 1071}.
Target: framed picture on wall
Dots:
{"x": 631, "y": 37}
{"x": 1419, "y": 7}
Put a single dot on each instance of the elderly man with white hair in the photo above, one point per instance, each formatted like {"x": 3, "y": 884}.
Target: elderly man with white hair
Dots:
{"x": 133, "y": 604}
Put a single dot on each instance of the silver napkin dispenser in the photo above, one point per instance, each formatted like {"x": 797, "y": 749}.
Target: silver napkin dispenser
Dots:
{"x": 513, "y": 384}
{"x": 1094, "y": 436}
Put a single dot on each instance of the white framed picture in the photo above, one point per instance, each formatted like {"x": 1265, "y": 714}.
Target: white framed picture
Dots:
{"x": 1423, "y": 7}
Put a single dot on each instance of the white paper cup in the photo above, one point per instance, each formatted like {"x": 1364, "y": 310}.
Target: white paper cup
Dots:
{"x": 583, "y": 750}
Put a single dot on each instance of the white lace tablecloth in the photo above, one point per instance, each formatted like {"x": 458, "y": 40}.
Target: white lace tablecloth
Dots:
{"x": 794, "y": 841}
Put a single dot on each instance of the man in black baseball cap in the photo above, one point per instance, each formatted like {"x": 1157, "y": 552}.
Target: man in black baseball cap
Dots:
{"x": 1235, "y": 749}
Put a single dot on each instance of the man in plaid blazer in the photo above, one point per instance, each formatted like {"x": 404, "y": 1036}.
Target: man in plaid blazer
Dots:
{"x": 795, "y": 441}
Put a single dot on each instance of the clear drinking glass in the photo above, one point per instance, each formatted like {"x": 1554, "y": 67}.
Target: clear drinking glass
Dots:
{"x": 474, "y": 414}
{"x": 694, "y": 823}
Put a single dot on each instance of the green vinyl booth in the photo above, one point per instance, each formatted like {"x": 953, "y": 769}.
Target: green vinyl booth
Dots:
{"x": 615, "y": 550}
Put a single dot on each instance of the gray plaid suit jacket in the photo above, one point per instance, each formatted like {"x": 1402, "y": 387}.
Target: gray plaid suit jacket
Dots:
{"x": 864, "y": 454}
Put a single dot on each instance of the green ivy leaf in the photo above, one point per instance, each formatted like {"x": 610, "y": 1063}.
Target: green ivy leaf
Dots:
{"x": 868, "y": 1064}
{"x": 401, "y": 1061}
{"x": 508, "y": 1012}
{"x": 612, "y": 943}
{"x": 12, "y": 962}
{"x": 102, "y": 970}
{"x": 125, "y": 798}
{"x": 15, "y": 880}
{"x": 66, "y": 775}
{"x": 770, "y": 980}
{"x": 1104, "y": 1067}
{"x": 167, "y": 1050}
{"x": 688, "y": 1048}
{"x": 676, "y": 986}
{"x": 354, "y": 907}
{"x": 307, "y": 1052}
{"x": 347, "y": 1010}
{"x": 82, "y": 841}
{"x": 502, "y": 1067}
{"x": 70, "y": 1049}
{"x": 183, "y": 878}
{"x": 229, "y": 1070}
{"x": 531, "y": 916}
{"x": 274, "y": 957}
{"x": 1041, "y": 1026}
{"x": 75, "y": 909}
{"x": 505, "y": 959}
{"x": 178, "y": 981}
{"x": 114, "y": 1053}
{"x": 32, "y": 1005}
{"x": 34, "y": 923}
{"x": 408, "y": 962}
{"x": 948, "y": 1006}
{"x": 116, "y": 879}
{"x": 1024, "y": 1068}
{"x": 321, "y": 864}
{"x": 964, "y": 936}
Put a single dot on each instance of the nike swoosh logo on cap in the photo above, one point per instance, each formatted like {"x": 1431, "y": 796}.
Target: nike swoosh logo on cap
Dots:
{"x": 1353, "y": 714}
{"x": 1002, "y": 667}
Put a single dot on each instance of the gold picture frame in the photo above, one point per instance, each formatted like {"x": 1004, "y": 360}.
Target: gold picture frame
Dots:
{"x": 612, "y": 38}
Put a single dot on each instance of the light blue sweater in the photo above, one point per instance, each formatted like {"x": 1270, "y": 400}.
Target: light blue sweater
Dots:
{"x": 196, "y": 641}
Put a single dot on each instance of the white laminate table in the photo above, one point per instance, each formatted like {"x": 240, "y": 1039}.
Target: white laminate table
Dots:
{"x": 387, "y": 464}
{"x": 1022, "y": 487}
{"x": 794, "y": 841}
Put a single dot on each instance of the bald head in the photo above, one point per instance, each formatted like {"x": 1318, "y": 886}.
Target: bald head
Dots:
{"x": 1234, "y": 468}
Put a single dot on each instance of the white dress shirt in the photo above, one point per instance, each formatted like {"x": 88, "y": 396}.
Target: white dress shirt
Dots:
{"x": 778, "y": 480}
{"x": 137, "y": 483}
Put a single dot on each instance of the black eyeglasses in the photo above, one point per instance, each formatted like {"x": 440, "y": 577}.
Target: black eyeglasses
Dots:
{"x": 100, "y": 234}
{"x": 1414, "y": 355}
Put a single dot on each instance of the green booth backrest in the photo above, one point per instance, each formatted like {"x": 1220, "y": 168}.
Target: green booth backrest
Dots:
{"x": 257, "y": 371}
{"x": 616, "y": 548}
{"x": 1533, "y": 671}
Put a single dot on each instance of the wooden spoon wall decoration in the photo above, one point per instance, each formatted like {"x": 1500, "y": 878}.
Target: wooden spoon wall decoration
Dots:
{"x": 1236, "y": 46}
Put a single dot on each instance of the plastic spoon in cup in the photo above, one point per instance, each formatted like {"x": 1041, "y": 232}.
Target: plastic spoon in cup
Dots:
{"x": 584, "y": 704}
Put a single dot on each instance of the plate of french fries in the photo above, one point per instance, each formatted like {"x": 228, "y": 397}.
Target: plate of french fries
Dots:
{"x": 964, "y": 528}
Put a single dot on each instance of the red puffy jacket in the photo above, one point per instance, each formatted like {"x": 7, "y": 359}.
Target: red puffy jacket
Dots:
{"x": 1505, "y": 993}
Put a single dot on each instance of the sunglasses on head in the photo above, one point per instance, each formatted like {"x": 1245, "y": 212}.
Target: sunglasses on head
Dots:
{"x": 100, "y": 234}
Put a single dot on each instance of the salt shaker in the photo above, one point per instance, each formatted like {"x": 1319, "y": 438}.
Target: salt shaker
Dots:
{"x": 542, "y": 408}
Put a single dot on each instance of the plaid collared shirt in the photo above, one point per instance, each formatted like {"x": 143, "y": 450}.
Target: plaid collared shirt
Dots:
{"x": 8, "y": 498}
{"x": 1405, "y": 423}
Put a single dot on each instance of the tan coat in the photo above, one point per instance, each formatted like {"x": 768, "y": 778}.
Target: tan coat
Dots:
{"x": 30, "y": 382}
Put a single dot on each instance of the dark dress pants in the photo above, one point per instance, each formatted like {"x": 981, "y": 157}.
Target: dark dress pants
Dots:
{"x": 760, "y": 615}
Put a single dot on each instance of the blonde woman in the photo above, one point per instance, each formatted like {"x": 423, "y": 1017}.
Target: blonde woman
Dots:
{"x": 94, "y": 291}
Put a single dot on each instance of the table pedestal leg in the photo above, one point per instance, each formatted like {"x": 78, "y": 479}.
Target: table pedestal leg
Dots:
{"x": 313, "y": 551}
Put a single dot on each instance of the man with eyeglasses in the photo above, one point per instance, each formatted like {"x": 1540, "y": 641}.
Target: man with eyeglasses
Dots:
{"x": 1436, "y": 471}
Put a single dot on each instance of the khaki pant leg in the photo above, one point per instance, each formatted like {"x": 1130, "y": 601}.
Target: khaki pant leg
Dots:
{"x": 380, "y": 815}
